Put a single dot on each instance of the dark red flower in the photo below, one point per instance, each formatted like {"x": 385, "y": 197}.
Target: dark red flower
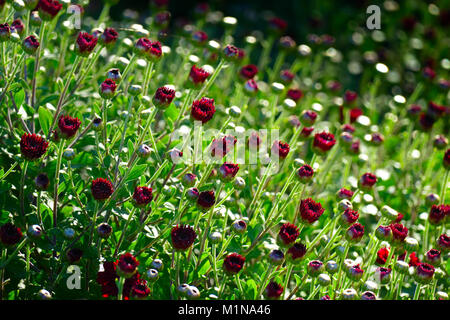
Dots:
{"x": 426, "y": 121}
{"x": 68, "y": 126}
{"x": 288, "y": 234}
{"x": 251, "y": 88}
{"x": 294, "y": 94}
{"x": 203, "y": 110}
{"x": 414, "y": 110}
{"x": 350, "y": 96}
{"x": 323, "y": 141}
{"x": 254, "y": 140}
{"x": 349, "y": 216}
{"x": 273, "y": 290}
{"x": 206, "y": 200}
{"x": 382, "y": 256}
{"x": 140, "y": 290}
{"x": 101, "y": 189}
{"x": 32, "y": 146}
{"x": 355, "y": 232}
{"x": 220, "y": 147}
{"x": 30, "y": 44}
{"x": 74, "y": 255}
{"x": 18, "y": 26}
{"x": 376, "y": 138}
{"x": 399, "y": 217}
{"x": 446, "y": 159}
{"x": 199, "y": 37}
{"x": 424, "y": 273}
{"x": 280, "y": 149}
{"x": 48, "y": 9}
{"x": 345, "y": 194}
{"x": 197, "y": 76}
{"x": 154, "y": 51}
{"x": 444, "y": 242}
{"x": 348, "y": 128}
{"x": 413, "y": 259}
{"x": 296, "y": 252}
{"x": 142, "y": 46}
{"x": 433, "y": 257}
{"x": 429, "y": 73}
{"x": 142, "y": 196}
{"x": 308, "y": 118}
{"x": 305, "y": 173}
{"x": 277, "y": 24}
{"x": 85, "y": 44}
{"x": 228, "y": 171}
{"x": 399, "y": 232}
{"x": 163, "y": 97}
{"x": 438, "y": 213}
{"x": 231, "y": 52}
{"x": 367, "y": 181}
{"x": 355, "y": 272}
{"x": 383, "y": 233}
{"x": 108, "y": 88}
{"x": 286, "y": 76}
{"x": 183, "y": 237}
{"x": 42, "y": 181}
{"x": 107, "y": 279}
{"x": 109, "y": 37}
{"x": 233, "y": 263}
{"x": 314, "y": 268}
{"x": 354, "y": 114}
{"x": 10, "y": 234}
{"x": 306, "y": 132}
{"x": 127, "y": 265}
{"x": 248, "y": 71}
{"x": 325, "y": 297}
{"x": 310, "y": 210}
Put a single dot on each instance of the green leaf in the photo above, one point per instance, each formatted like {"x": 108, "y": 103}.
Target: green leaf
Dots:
{"x": 136, "y": 172}
{"x": 45, "y": 119}
{"x": 251, "y": 289}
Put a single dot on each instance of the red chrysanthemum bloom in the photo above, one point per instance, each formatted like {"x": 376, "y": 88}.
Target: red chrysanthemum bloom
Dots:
{"x": 140, "y": 290}
{"x": 101, "y": 189}
{"x": 206, "y": 200}
{"x": 220, "y": 147}
{"x": 18, "y": 26}
{"x": 399, "y": 217}
{"x": 354, "y": 114}
{"x": 288, "y": 234}
{"x": 228, "y": 171}
{"x": 345, "y": 194}
{"x": 154, "y": 51}
{"x": 277, "y": 24}
{"x": 280, "y": 149}
{"x": 32, "y": 146}
{"x": 142, "y": 196}
{"x": 350, "y": 96}
{"x": 308, "y": 118}
{"x": 85, "y": 44}
{"x": 183, "y": 237}
{"x": 10, "y": 234}
{"x": 399, "y": 232}
{"x": 286, "y": 76}
{"x": 446, "y": 159}
{"x": 424, "y": 273}
{"x": 436, "y": 110}
{"x": 433, "y": 257}
{"x": 197, "y": 76}
{"x": 199, "y": 37}
{"x": 294, "y": 94}
{"x": 382, "y": 256}
{"x": 141, "y": 46}
{"x": 296, "y": 252}
{"x": 306, "y": 132}
{"x": 109, "y": 37}
{"x": 355, "y": 232}
{"x": 68, "y": 126}
{"x": 438, "y": 213}
{"x": 367, "y": 181}
{"x": 74, "y": 255}
{"x": 163, "y": 97}
{"x": 444, "y": 242}
{"x": 127, "y": 265}
{"x": 323, "y": 141}
{"x": 349, "y": 216}
{"x": 233, "y": 263}
{"x": 203, "y": 110}
{"x": 305, "y": 173}
{"x": 310, "y": 211}
{"x": 426, "y": 121}
{"x": 273, "y": 290}
{"x": 48, "y": 9}
{"x": 30, "y": 44}
{"x": 108, "y": 88}
{"x": 248, "y": 72}
{"x": 231, "y": 52}
{"x": 107, "y": 279}
{"x": 413, "y": 260}
{"x": 355, "y": 272}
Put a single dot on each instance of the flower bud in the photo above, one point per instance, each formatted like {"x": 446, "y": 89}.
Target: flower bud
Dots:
{"x": 189, "y": 180}
{"x": 144, "y": 151}
{"x": 182, "y": 289}
{"x": 332, "y": 267}
{"x": 69, "y": 154}
{"x": 69, "y": 233}
{"x": 250, "y": 88}
{"x": 345, "y": 194}
{"x": 370, "y": 285}
{"x": 97, "y": 124}
{"x": 382, "y": 275}
{"x": 305, "y": 173}
{"x": 355, "y": 232}
{"x": 440, "y": 142}
{"x": 383, "y": 233}
{"x": 389, "y": 213}
{"x": 35, "y": 19}
{"x": 239, "y": 183}
{"x": 367, "y": 181}
{"x": 5, "y": 32}
{"x": 239, "y": 226}
{"x": 277, "y": 87}
{"x": 276, "y": 257}
{"x": 30, "y": 45}
{"x": 42, "y": 181}
{"x": 215, "y": 237}
{"x": 315, "y": 268}
{"x": 44, "y": 294}
{"x": 401, "y": 267}
{"x": 157, "y": 264}
{"x": 134, "y": 90}
{"x": 368, "y": 295}
{"x": 35, "y": 231}
{"x": 411, "y": 244}
{"x": 433, "y": 257}
{"x": 324, "y": 280}
{"x": 192, "y": 194}
{"x": 234, "y": 112}
{"x": 107, "y": 89}
{"x": 104, "y": 230}
{"x": 345, "y": 204}
{"x": 349, "y": 294}
{"x": 354, "y": 272}
{"x": 432, "y": 198}
{"x": 424, "y": 273}
{"x": 152, "y": 275}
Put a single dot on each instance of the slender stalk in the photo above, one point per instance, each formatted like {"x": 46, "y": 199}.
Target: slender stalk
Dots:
{"x": 21, "y": 196}
{"x": 56, "y": 182}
